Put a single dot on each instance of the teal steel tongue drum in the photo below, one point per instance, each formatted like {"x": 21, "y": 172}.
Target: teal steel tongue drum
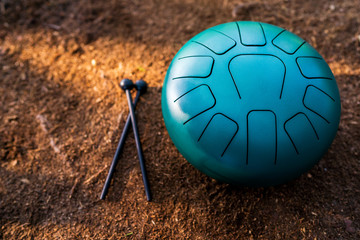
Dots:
{"x": 250, "y": 103}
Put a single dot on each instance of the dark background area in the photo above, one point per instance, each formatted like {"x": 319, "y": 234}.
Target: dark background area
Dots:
{"x": 62, "y": 112}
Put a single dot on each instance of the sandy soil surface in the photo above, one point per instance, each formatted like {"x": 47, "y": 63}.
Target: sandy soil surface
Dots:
{"x": 62, "y": 112}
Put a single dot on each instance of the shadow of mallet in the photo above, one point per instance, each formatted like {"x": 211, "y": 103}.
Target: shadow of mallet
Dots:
{"x": 141, "y": 87}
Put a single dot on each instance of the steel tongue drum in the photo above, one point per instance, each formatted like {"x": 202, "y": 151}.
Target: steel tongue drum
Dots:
{"x": 249, "y": 103}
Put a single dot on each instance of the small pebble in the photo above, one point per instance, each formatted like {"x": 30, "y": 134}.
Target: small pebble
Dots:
{"x": 24, "y": 180}
{"x": 13, "y": 163}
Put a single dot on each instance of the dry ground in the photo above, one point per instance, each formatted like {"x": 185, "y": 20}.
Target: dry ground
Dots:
{"x": 61, "y": 114}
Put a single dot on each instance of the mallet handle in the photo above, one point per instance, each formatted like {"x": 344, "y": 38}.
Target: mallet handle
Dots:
{"x": 138, "y": 145}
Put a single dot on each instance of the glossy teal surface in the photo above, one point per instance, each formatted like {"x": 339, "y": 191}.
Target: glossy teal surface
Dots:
{"x": 250, "y": 103}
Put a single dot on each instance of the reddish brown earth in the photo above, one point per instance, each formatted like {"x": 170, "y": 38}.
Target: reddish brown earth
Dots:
{"x": 61, "y": 114}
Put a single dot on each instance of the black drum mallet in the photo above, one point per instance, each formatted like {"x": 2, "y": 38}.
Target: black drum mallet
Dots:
{"x": 141, "y": 87}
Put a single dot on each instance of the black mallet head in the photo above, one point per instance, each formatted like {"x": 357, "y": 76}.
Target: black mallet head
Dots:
{"x": 141, "y": 86}
{"x": 126, "y": 84}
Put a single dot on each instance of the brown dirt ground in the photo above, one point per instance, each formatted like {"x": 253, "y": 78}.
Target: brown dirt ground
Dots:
{"x": 61, "y": 114}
